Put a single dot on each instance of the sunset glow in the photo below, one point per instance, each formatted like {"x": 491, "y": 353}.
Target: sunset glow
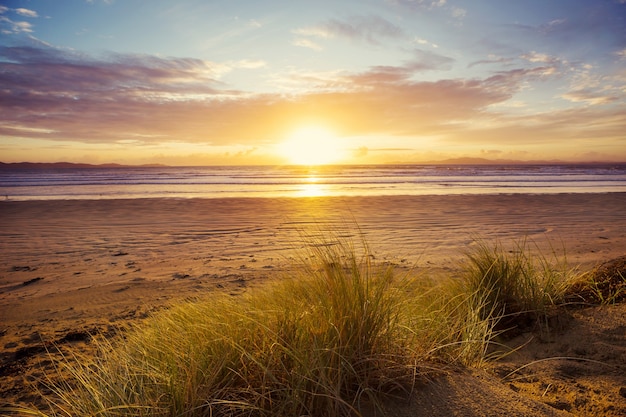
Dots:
{"x": 231, "y": 83}
{"x": 312, "y": 146}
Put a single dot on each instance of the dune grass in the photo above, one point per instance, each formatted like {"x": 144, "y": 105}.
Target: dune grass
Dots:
{"x": 518, "y": 285}
{"x": 604, "y": 285}
{"x": 338, "y": 336}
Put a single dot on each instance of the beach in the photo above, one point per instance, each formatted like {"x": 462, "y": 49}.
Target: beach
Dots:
{"x": 71, "y": 268}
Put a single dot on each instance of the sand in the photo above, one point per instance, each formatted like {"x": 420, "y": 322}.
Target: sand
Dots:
{"x": 70, "y": 268}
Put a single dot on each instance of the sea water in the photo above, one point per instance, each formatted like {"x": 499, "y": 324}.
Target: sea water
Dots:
{"x": 294, "y": 181}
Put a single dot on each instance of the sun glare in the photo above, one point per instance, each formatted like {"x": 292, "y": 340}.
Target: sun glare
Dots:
{"x": 311, "y": 146}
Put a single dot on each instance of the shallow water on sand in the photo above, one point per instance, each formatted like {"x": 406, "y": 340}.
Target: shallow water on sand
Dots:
{"x": 291, "y": 181}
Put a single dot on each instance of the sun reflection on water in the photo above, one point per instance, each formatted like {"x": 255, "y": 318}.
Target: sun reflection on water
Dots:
{"x": 312, "y": 188}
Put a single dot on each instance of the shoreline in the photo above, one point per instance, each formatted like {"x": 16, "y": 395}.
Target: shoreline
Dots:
{"x": 303, "y": 195}
{"x": 323, "y": 181}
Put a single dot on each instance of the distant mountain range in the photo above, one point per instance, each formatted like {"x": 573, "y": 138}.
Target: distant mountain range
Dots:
{"x": 62, "y": 165}
{"x": 452, "y": 161}
{"x": 484, "y": 161}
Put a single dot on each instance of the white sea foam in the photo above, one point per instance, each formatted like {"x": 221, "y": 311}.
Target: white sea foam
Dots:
{"x": 285, "y": 181}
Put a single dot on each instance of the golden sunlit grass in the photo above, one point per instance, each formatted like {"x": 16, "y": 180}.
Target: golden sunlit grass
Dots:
{"x": 516, "y": 284}
{"x": 312, "y": 145}
{"x": 338, "y": 336}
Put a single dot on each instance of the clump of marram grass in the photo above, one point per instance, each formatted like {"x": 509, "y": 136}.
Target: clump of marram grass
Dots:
{"x": 335, "y": 337}
{"x": 321, "y": 343}
{"x": 605, "y": 284}
{"x": 497, "y": 290}
{"x": 446, "y": 324}
{"x": 517, "y": 285}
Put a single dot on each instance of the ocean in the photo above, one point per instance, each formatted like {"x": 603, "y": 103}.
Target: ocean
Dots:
{"x": 292, "y": 181}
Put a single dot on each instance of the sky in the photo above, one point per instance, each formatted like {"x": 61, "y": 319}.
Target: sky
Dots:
{"x": 203, "y": 82}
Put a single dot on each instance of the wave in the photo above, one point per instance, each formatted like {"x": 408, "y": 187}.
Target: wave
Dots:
{"x": 207, "y": 182}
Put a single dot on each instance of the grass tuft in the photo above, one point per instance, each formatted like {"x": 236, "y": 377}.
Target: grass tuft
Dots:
{"x": 518, "y": 286}
{"x": 322, "y": 342}
{"x": 604, "y": 285}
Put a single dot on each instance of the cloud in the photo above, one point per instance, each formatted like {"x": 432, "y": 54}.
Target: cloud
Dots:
{"x": 590, "y": 86}
{"x": 430, "y": 4}
{"x": 60, "y": 94}
{"x": 589, "y": 28}
{"x": 50, "y": 89}
{"x": 513, "y": 80}
{"x": 561, "y": 131}
{"x": 63, "y": 95}
{"x": 54, "y": 70}
{"x": 255, "y": 24}
{"x": 491, "y": 59}
{"x": 458, "y": 13}
{"x": 421, "y": 61}
{"x": 306, "y": 43}
{"x": 26, "y": 12}
{"x": 22, "y": 27}
{"x": 422, "y": 41}
{"x": 589, "y": 97}
{"x": 426, "y": 60}
{"x": 8, "y": 26}
{"x": 249, "y": 64}
{"x": 536, "y": 57}
{"x": 314, "y": 31}
{"x": 370, "y": 29}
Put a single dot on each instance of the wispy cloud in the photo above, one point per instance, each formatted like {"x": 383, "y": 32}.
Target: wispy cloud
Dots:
{"x": 421, "y": 61}
{"x": 426, "y": 60}
{"x": 48, "y": 88}
{"x": 541, "y": 58}
{"x": 107, "y": 2}
{"x": 52, "y": 70}
{"x": 458, "y": 12}
{"x": 589, "y": 97}
{"x": 10, "y": 26}
{"x": 491, "y": 59}
{"x": 420, "y": 3}
{"x": 248, "y": 64}
{"x": 19, "y": 27}
{"x": 370, "y": 29}
{"x": 307, "y": 43}
{"x": 421, "y": 41}
{"x": 59, "y": 94}
{"x": 26, "y": 12}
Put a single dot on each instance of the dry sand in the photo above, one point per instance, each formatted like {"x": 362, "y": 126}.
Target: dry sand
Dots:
{"x": 68, "y": 268}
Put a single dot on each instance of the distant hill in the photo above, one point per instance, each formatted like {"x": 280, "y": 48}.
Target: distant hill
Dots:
{"x": 452, "y": 161}
{"x": 484, "y": 161}
{"x": 66, "y": 165}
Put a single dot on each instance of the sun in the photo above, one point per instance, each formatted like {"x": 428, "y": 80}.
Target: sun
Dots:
{"x": 311, "y": 145}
